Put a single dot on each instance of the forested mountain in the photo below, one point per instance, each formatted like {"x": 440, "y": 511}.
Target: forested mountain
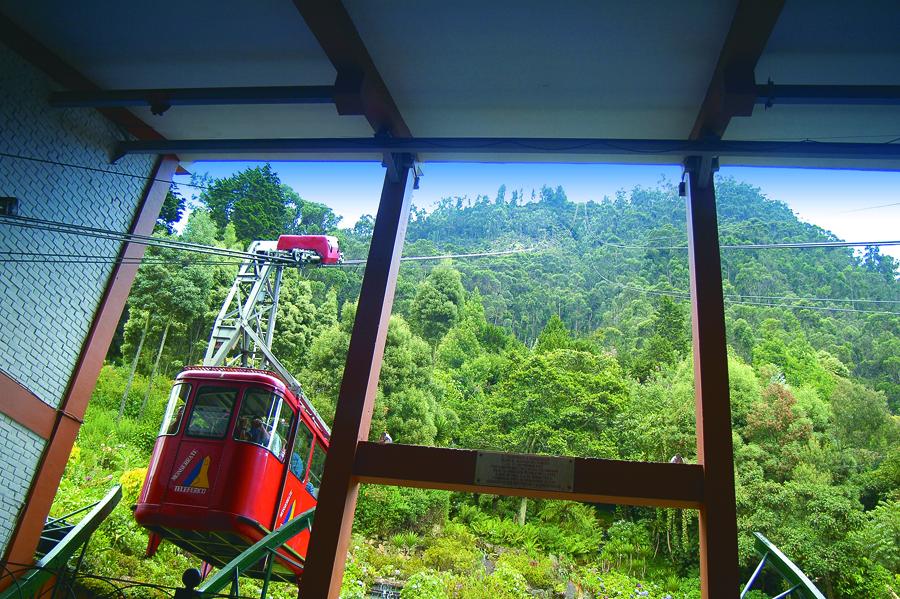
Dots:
{"x": 578, "y": 345}
{"x": 589, "y": 268}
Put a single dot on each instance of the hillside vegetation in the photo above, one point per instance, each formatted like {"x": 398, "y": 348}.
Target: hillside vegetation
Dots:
{"x": 578, "y": 346}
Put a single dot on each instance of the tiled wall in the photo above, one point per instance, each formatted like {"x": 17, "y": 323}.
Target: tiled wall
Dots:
{"x": 46, "y": 308}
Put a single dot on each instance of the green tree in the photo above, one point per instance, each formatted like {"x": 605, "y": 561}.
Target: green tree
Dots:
{"x": 406, "y": 404}
{"x": 554, "y": 336}
{"x": 172, "y": 294}
{"x": 310, "y": 218}
{"x": 861, "y": 417}
{"x": 669, "y": 340}
{"x": 561, "y": 403}
{"x": 254, "y": 200}
{"x": 435, "y": 308}
{"x": 172, "y": 210}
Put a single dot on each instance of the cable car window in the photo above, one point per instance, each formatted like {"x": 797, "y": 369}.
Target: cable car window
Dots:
{"x": 315, "y": 471}
{"x": 300, "y": 455}
{"x": 278, "y": 446}
{"x": 265, "y": 420}
{"x": 212, "y": 411}
{"x": 175, "y": 409}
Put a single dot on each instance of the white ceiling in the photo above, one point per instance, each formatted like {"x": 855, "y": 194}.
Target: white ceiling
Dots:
{"x": 506, "y": 68}
{"x": 531, "y": 68}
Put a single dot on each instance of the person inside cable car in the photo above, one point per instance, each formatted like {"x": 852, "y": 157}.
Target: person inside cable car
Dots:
{"x": 258, "y": 433}
{"x": 297, "y": 465}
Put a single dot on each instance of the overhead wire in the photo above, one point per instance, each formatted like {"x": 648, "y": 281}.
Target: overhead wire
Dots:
{"x": 114, "y": 260}
{"x": 812, "y": 299}
{"x": 821, "y": 308}
{"x": 229, "y": 257}
{"x": 728, "y": 300}
{"x": 870, "y": 208}
{"x": 763, "y": 246}
{"x": 147, "y": 240}
{"x": 68, "y": 228}
{"x": 448, "y": 256}
{"x": 43, "y": 255}
{"x": 71, "y": 228}
{"x": 95, "y": 169}
{"x": 739, "y": 298}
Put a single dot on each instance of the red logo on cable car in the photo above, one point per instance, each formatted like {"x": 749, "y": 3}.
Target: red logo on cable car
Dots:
{"x": 196, "y": 481}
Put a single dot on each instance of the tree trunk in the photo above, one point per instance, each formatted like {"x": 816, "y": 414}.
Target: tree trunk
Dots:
{"x": 162, "y": 345}
{"x": 523, "y": 508}
{"x": 134, "y": 364}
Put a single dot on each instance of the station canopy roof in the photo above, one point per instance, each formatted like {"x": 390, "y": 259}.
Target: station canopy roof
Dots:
{"x": 633, "y": 70}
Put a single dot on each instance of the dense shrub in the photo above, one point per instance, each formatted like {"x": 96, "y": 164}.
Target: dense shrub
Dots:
{"x": 384, "y": 511}
{"x": 502, "y": 583}
{"x": 427, "y": 584}
{"x": 537, "y": 569}
{"x": 452, "y": 555}
{"x": 547, "y": 537}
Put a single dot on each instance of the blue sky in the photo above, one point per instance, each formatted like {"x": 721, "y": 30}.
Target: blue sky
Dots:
{"x": 831, "y": 199}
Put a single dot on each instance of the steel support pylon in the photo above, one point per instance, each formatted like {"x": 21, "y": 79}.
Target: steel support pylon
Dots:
{"x": 245, "y": 326}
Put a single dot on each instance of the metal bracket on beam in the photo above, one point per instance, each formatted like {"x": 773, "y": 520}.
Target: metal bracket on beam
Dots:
{"x": 417, "y": 173}
{"x": 395, "y": 162}
{"x": 704, "y": 166}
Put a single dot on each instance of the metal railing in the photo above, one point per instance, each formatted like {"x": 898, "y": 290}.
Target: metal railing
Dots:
{"x": 801, "y": 586}
{"x": 266, "y": 548}
{"x": 55, "y": 562}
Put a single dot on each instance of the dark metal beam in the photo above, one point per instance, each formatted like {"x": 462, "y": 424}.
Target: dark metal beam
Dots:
{"x": 63, "y": 73}
{"x": 489, "y": 145}
{"x": 196, "y": 96}
{"x": 336, "y": 33}
{"x": 863, "y": 95}
{"x": 732, "y": 89}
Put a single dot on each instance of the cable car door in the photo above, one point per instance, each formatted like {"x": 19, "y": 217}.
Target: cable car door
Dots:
{"x": 298, "y": 493}
{"x": 192, "y": 480}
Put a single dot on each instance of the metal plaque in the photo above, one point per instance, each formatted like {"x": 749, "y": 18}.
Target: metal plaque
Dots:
{"x": 523, "y": 471}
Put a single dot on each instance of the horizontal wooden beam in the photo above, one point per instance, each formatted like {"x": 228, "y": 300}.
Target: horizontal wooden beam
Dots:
{"x": 595, "y": 480}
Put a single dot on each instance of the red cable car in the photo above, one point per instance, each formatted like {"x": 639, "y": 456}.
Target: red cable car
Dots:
{"x": 237, "y": 456}
{"x": 325, "y": 246}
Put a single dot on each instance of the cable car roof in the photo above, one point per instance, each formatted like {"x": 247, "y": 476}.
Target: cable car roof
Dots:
{"x": 255, "y": 375}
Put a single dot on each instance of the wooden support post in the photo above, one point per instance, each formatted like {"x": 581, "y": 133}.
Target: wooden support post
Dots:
{"x": 718, "y": 519}
{"x": 330, "y": 536}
